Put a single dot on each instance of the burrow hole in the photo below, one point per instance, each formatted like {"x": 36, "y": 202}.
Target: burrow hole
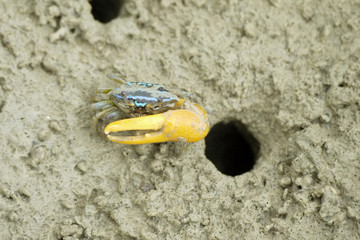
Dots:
{"x": 232, "y": 148}
{"x": 105, "y": 10}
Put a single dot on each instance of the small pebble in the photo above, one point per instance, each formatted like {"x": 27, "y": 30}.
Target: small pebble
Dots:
{"x": 54, "y": 125}
{"x": 285, "y": 193}
{"x": 43, "y": 135}
{"x": 54, "y": 11}
{"x": 61, "y": 81}
{"x": 285, "y": 181}
{"x": 6, "y": 192}
{"x": 250, "y": 30}
{"x": 101, "y": 201}
{"x": 189, "y": 53}
{"x": 13, "y": 217}
{"x": 66, "y": 203}
{"x": 308, "y": 13}
{"x": 25, "y": 192}
{"x": 142, "y": 149}
{"x": 82, "y": 167}
{"x": 157, "y": 166}
{"x": 50, "y": 63}
{"x": 59, "y": 34}
{"x": 158, "y": 156}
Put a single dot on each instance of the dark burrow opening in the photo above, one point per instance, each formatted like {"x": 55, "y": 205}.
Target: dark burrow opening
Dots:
{"x": 105, "y": 10}
{"x": 232, "y": 148}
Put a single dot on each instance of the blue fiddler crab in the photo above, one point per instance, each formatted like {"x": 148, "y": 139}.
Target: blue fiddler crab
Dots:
{"x": 132, "y": 99}
{"x": 149, "y": 113}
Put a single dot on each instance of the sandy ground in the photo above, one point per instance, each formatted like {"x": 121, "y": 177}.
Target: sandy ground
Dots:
{"x": 289, "y": 72}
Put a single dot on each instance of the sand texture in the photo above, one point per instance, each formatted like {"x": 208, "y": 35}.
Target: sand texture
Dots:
{"x": 288, "y": 70}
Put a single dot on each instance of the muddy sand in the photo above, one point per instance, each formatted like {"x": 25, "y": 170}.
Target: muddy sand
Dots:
{"x": 285, "y": 73}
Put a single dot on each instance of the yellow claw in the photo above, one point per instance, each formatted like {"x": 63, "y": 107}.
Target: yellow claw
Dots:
{"x": 189, "y": 125}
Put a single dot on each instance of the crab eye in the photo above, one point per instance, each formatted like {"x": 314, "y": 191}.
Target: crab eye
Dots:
{"x": 157, "y": 107}
{"x": 162, "y": 89}
{"x": 118, "y": 96}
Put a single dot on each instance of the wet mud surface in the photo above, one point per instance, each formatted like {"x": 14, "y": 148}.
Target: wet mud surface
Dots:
{"x": 286, "y": 72}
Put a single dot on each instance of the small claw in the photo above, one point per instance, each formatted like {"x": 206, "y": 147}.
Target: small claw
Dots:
{"x": 188, "y": 125}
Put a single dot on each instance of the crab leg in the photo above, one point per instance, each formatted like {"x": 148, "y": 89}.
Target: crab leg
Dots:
{"x": 98, "y": 106}
{"x": 103, "y": 90}
{"x": 116, "y": 78}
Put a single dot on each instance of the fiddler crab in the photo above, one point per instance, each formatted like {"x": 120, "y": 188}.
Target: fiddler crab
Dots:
{"x": 140, "y": 113}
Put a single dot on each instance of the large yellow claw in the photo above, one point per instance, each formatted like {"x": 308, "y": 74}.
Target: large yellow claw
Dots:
{"x": 188, "y": 125}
